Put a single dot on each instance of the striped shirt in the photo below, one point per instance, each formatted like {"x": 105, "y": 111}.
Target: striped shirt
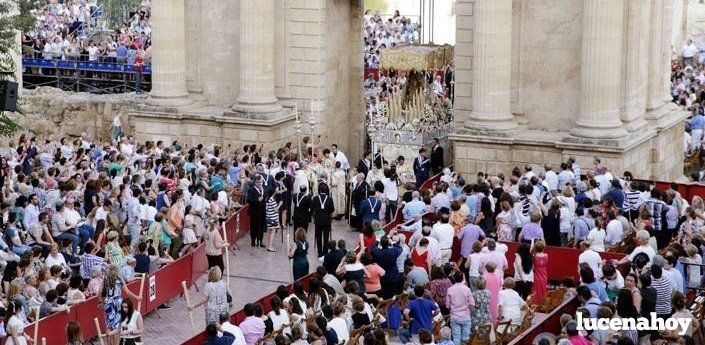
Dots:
{"x": 664, "y": 291}
{"x": 272, "y": 209}
{"x": 632, "y": 200}
{"x": 655, "y": 208}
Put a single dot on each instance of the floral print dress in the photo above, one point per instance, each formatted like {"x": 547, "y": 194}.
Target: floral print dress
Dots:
{"x": 481, "y": 313}
{"x": 112, "y": 304}
{"x": 504, "y": 228}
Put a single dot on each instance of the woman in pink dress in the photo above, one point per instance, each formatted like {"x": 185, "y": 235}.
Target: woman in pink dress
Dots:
{"x": 494, "y": 285}
{"x": 540, "y": 272}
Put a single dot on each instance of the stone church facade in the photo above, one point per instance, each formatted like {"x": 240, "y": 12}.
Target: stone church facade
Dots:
{"x": 540, "y": 81}
{"x": 536, "y": 81}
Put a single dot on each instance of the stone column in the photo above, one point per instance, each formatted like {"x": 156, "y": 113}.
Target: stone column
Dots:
{"x": 654, "y": 98}
{"x": 601, "y": 70}
{"x": 666, "y": 50}
{"x": 256, "y": 57}
{"x": 168, "y": 53}
{"x": 491, "y": 68}
{"x": 636, "y": 70}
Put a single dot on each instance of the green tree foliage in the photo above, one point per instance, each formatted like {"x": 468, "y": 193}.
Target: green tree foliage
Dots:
{"x": 14, "y": 16}
{"x": 376, "y": 5}
{"x": 116, "y": 12}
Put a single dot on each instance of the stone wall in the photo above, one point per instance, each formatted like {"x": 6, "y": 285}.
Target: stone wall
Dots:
{"x": 55, "y": 113}
{"x": 654, "y": 155}
{"x": 220, "y": 130}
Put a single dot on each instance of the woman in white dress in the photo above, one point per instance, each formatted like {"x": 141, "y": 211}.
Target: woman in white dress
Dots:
{"x": 510, "y": 304}
{"x": 596, "y": 236}
{"x": 279, "y": 316}
{"x": 15, "y": 326}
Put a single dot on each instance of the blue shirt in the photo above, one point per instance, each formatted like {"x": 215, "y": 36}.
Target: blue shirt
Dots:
{"x": 421, "y": 311}
{"x": 471, "y": 201}
{"x": 413, "y": 209}
{"x": 387, "y": 259}
{"x": 233, "y": 171}
{"x": 591, "y": 305}
{"x": 599, "y": 288}
{"x": 121, "y": 51}
{"x": 697, "y": 122}
{"x": 617, "y": 196}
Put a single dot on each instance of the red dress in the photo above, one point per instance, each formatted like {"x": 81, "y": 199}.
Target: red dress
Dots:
{"x": 540, "y": 278}
{"x": 369, "y": 242}
{"x": 420, "y": 260}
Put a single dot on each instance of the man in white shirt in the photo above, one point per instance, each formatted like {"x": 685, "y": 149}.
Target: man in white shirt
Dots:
{"x": 551, "y": 178}
{"x": 688, "y": 51}
{"x": 614, "y": 233}
{"x": 443, "y": 232}
{"x": 669, "y": 271}
{"x": 31, "y": 212}
{"x": 492, "y": 254}
{"x": 592, "y": 258}
{"x": 340, "y": 157}
{"x": 564, "y": 177}
{"x": 226, "y": 326}
{"x": 391, "y": 195}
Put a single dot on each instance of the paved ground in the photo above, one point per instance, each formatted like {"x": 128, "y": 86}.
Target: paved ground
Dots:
{"x": 254, "y": 274}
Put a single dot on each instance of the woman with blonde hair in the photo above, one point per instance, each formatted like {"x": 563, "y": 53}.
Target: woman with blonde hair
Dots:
{"x": 112, "y": 302}
{"x": 216, "y": 299}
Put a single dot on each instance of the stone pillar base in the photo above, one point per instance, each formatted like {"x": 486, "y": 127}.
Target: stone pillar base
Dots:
{"x": 166, "y": 104}
{"x": 649, "y": 154}
{"x": 213, "y": 127}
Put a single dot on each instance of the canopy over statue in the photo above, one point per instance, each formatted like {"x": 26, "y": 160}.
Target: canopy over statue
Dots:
{"x": 417, "y": 109}
{"x": 420, "y": 57}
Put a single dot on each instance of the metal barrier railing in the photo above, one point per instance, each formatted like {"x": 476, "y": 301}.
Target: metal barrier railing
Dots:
{"x": 109, "y": 75}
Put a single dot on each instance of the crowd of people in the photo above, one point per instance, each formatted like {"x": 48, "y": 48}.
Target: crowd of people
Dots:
{"x": 68, "y": 30}
{"x": 380, "y": 33}
{"x": 82, "y": 218}
{"x": 592, "y": 210}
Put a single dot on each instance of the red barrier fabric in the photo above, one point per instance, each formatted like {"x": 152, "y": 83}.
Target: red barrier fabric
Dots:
{"x": 562, "y": 261}
{"x": 167, "y": 282}
{"x": 687, "y": 190}
{"x": 551, "y": 324}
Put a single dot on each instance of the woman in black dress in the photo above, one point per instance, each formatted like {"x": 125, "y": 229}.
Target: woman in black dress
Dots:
{"x": 551, "y": 225}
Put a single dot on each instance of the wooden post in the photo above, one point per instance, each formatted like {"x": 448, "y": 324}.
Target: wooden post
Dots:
{"x": 227, "y": 256}
{"x": 100, "y": 333}
{"x": 139, "y": 304}
{"x": 36, "y": 326}
{"x": 188, "y": 304}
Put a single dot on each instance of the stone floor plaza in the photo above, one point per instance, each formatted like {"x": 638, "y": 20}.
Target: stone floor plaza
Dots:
{"x": 254, "y": 273}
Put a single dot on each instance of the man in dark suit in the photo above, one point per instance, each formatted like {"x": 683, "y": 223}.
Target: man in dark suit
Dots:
{"x": 378, "y": 159}
{"x": 256, "y": 199}
{"x": 322, "y": 207}
{"x": 436, "y": 156}
{"x": 268, "y": 182}
{"x": 370, "y": 209}
{"x": 365, "y": 164}
{"x": 302, "y": 209}
{"x": 421, "y": 168}
{"x": 360, "y": 192}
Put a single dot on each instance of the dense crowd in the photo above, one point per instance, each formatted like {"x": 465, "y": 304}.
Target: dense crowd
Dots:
{"x": 82, "y": 218}
{"x": 452, "y": 271}
{"x": 68, "y": 30}
{"x": 380, "y": 33}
